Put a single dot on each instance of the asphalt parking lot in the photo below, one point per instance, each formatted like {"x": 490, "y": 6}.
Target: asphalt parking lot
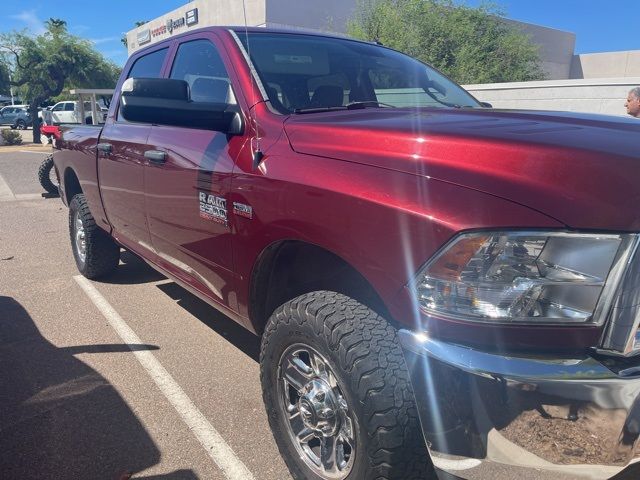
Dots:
{"x": 131, "y": 376}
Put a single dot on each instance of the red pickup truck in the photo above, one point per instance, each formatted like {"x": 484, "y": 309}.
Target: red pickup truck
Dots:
{"x": 442, "y": 289}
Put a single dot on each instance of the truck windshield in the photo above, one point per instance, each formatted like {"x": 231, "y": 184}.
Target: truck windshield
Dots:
{"x": 305, "y": 73}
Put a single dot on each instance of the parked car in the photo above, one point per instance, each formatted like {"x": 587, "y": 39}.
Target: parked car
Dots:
{"x": 417, "y": 265}
{"x": 16, "y": 116}
{"x": 69, "y": 112}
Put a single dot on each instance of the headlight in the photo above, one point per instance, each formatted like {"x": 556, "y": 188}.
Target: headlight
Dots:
{"x": 522, "y": 277}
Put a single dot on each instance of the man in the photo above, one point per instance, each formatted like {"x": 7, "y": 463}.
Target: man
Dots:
{"x": 633, "y": 102}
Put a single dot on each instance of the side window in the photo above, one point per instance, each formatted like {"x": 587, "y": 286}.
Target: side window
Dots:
{"x": 148, "y": 66}
{"x": 58, "y": 107}
{"x": 199, "y": 64}
{"x": 68, "y": 107}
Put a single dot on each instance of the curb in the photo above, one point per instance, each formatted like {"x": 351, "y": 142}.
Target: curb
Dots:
{"x": 27, "y": 147}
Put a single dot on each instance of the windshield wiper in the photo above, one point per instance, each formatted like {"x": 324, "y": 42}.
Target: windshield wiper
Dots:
{"x": 348, "y": 106}
{"x": 368, "y": 103}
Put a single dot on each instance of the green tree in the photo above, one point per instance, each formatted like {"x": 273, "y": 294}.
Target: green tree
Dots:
{"x": 42, "y": 66}
{"x": 471, "y": 45}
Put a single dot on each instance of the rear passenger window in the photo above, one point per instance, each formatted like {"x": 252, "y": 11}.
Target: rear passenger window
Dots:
{"x": 68, "y": 107}
{"x": 200, "y": 65}
{"x": 148, "y": 66}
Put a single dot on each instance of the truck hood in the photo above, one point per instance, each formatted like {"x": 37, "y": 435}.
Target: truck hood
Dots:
{"x": 583, "y": 170}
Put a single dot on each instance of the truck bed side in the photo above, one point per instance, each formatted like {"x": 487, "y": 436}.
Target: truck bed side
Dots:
{"x": 75, "y": 159}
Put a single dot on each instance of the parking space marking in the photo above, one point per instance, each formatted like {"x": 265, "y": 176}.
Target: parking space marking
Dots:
{"x": 28, "y": 196}
{"x": 5, "y": 192}
{"x": 30, "y": 151}
{"x": 457, "y": 465}
{"x": 215, "y": 446}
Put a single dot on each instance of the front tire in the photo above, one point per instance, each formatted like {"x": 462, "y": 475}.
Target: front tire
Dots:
{"x": 95, "y": 252}
{"x": 21, "y": 125}
{"x": 337, "y": 392}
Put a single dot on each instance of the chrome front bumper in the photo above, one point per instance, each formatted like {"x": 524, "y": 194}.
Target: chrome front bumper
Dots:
{"x": 494, "y": 417}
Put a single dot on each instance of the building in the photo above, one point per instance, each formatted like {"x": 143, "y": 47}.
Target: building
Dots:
{"x": 595, "y": 82}
{"x": 325, "y": 15}
{"x": 556, "y": 46}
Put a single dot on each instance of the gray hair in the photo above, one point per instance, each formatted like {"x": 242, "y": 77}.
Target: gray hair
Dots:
{"x": 635, "y": 92}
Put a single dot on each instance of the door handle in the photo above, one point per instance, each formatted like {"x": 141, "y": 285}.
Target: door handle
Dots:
{"x": 105, "y": 147}
{"x": 156, "y": 157}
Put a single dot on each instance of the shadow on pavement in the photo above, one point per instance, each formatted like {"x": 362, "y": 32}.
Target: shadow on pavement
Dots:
{"x": 58, "y": 417}
{"x": 234, "y": 333}
{"x": 132, "y": 270}
{"x": 112, "y": 348}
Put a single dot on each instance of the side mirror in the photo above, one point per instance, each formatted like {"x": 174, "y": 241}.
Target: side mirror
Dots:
{"x": 163, "y": 101}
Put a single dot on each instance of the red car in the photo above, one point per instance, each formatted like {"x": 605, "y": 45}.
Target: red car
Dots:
{"x": 441, "y": 288}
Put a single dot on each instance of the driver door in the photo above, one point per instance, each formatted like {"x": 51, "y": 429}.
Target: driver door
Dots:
{"x": 57, "y": 113}
{"x": 186, "y": 190}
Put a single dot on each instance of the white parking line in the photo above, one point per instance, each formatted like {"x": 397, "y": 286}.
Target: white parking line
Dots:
{"x": 457, "y": 465}
{"x": 215, "y": 446}
{"x": 28, "y": 196}
{"x": 30, "y": 151}
{"x": 5, "y": 191}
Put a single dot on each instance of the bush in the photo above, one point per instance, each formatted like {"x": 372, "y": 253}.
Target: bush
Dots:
{"x": 471, "y": 45}
{"x": 11, "y": 137}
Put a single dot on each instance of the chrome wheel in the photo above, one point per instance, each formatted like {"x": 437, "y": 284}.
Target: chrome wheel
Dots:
{"x": 319, "y": 421}
{"x": 80, "y": 238}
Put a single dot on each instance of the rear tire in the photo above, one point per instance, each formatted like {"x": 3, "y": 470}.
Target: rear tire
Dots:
{"x": 376, "y": 402}
{"x": 44, "y": 176}
{"x": 21, "y": 125}
{"x": 95, "y": 252}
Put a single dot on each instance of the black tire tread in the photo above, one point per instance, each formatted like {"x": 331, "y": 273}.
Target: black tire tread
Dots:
{"x": 368, "y": 350}
{"x": 44, "y": 176}
{"x": 103, "y": 254}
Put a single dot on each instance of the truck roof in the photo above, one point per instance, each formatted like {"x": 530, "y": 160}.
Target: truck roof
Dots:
{"x": 240, "y": 29}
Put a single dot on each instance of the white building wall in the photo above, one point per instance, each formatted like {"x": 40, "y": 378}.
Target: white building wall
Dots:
{"x": 324, "y": 15}
{"x": 210, "y": 12}
{"x": 556, "y": 47}
{"x": 605, "y": 96}
{"x": 606, "y": 65}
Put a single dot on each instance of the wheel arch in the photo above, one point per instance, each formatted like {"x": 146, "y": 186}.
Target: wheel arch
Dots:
{"x": 286, "y": 269}
{"x": 71, "y": 184}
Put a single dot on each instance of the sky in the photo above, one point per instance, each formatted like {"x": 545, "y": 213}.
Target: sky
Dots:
{"x": 599, "y": 25}
{"x": 101, "y": 21}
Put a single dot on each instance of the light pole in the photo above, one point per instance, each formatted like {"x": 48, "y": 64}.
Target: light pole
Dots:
{"x": 11, "y": 89}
